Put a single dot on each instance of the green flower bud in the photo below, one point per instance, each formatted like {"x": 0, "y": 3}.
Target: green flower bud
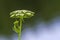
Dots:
{"x": 21, "y": 13}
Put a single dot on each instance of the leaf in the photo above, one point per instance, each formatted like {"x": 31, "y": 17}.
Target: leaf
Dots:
{"x": 16, "y": 29}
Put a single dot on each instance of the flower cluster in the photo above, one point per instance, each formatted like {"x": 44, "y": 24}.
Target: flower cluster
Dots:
{"x": 21, "y": 13}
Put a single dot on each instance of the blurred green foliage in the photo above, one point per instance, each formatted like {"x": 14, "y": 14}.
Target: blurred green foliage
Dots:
{"x": 44, "y": 10}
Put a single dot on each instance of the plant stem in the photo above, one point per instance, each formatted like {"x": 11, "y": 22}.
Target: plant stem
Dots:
{"x": 19, "y": 34}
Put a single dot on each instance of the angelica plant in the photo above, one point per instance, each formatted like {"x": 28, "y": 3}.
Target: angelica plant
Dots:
{"x": 20, "y": 14}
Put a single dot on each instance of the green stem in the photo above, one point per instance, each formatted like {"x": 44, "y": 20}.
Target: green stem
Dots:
{"x": 19, "y": 34}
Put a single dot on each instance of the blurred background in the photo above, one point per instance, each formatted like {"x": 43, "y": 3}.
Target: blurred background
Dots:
{"x": 45, "y": 25}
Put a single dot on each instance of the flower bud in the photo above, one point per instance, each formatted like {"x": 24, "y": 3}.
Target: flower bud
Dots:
{"x": 21, "y": 13}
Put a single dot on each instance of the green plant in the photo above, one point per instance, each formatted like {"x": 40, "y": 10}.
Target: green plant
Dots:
{"x": 20, "y": 14}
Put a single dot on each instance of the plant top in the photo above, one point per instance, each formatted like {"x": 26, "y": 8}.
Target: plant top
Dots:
{"x": 21, "y": 13}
